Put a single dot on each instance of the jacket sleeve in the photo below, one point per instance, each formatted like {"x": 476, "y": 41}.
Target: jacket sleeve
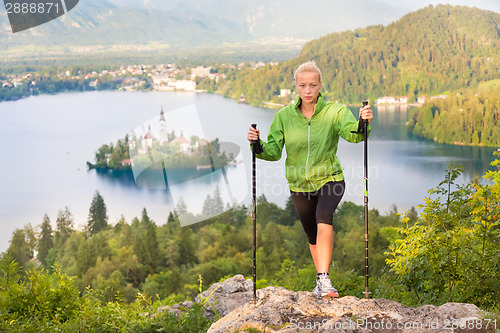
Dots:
{"x": 273, "y": 148}
{"x": 347, "y": 124}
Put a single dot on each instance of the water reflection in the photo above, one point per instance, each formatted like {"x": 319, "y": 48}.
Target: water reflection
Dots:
{"x": 390, "y": 124}
{"x": 123, "y": 178}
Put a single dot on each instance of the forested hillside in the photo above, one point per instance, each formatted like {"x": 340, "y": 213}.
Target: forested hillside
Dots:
{"x": 158, "y": 258}
{"x": 469, "y": 118}
{"x": 430, "y": 51}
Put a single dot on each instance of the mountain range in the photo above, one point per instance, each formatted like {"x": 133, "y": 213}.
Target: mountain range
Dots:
{"x": 134, "y": 29}
{"x": 152, "y": 25}
{"x": 282, "y": 18}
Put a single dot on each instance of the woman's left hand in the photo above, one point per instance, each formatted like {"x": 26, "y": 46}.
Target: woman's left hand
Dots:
{"x": 366, "y": 113}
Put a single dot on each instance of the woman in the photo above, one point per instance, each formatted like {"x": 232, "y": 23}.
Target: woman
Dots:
{"x": 309, "y": 130}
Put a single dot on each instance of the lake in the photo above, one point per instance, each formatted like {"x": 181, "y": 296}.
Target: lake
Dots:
{"x": 46, "y": 141}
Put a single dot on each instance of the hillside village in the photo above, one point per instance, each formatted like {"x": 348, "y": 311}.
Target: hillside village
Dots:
{"x": 164, "y": 77}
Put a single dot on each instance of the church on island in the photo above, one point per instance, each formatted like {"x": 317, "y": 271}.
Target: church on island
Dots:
{"x": 162, "y": 137}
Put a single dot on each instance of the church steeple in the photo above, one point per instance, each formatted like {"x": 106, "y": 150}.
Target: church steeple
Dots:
{"x": 162, "y": 117}
{"x": 163, "y": 129}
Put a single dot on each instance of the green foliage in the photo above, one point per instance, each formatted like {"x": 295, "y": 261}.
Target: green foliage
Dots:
{"x": 43, "y": 302}
{"x": 451, "y": 253}
{"x": 48, "y": 81}
{"x": 64, "y": 227}
{"x": 163, "y": 260}
{"x": 270, "y": 212}
{"x": 387, "y": 286}
{"x": 36, "y": 301}
{"x": 145, "y": 243}
{"x": 468, "y": 118}
{"x": 22, "y": 245}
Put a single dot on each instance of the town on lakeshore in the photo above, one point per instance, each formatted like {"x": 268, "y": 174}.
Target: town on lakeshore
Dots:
{"x": 164, "y": 77}
{"x": 161, "y": 77}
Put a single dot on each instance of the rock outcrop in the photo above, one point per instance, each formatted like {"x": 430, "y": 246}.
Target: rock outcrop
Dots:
{"x": 280, "y": 310}
{"x": 224, "y": 297}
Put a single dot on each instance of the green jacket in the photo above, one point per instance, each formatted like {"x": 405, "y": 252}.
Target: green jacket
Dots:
{"x": 311, "y": 145}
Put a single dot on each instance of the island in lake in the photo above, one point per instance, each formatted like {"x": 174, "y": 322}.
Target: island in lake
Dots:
{"x": 161, "y": 150}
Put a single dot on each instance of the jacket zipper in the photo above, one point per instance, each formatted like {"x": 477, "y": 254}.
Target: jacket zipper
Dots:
{"x": 308, "y": 151}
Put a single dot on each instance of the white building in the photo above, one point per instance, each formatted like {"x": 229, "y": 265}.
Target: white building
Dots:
{"x": 186, "y": 85}
{"x": 386, "y": 100}
{"x": 160, "y": 79}
{"x": 147, "y": 142}
{"x": 200, "y": 71}
{"x": 285, "y": 92}
{"x": 182, "y": 142}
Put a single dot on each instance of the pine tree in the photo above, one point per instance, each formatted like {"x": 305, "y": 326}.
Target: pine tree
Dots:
{"x": 146, "y": 245}
{"x": 181, "y": 207}
{"x": 171, "y": 218}
{"x": 64, "y": 224}
{"x": 208, "y": 204}
{"x": 218, "y": 204}
{"x": 45, "y": 241}
{"x": 150, "y": 238}
{"x": 98, "y": 218}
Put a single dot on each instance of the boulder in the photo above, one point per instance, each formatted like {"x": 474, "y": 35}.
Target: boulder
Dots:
{"x": 223, "y": 297}
{"x": 285, "y": 311}
{"x": 280, "y": 310}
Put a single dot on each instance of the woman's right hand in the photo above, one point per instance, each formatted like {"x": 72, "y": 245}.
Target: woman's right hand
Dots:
{"x": 253, "y": 134}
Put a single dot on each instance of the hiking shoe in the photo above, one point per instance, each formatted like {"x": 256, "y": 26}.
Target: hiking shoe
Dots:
{"x": 324, "y": 287}
{"x": 317, "y": 290}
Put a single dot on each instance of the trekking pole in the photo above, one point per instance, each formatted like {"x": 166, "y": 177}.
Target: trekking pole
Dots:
{"x": 365, "y": 131}
{"x": 256, "y": 148}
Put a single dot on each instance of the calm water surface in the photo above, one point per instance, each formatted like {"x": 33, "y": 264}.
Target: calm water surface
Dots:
{"x": 46, "y": 141}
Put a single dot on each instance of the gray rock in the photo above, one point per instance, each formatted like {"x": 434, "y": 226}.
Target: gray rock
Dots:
{"x": 284, "y": 311}
{"x": 177, "y": 308}
{"x": 224, "y": 297}
{"x": 220, "y": 299}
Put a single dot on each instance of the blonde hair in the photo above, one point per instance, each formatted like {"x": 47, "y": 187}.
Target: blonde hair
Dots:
{"x": 309, "y": 66}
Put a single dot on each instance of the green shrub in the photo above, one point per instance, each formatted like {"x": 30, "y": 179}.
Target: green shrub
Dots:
{"x": 452, "y": 252}
{"x": 44, "y": 302}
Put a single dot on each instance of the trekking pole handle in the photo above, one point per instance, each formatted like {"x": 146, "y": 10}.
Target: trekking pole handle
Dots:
{"x": 361, "y": 122}
{"x": 365, "y": 103}
{"x": 257, "y": 146}
{"x": 255, "y": 127}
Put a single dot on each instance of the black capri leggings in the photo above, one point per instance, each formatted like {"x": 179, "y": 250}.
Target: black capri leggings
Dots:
{"x": 317, "y": 207}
